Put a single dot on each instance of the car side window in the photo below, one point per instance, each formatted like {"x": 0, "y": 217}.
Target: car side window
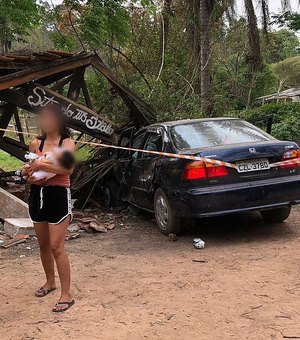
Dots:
{"x": 154, "y": 143}
{"x": 138, "y": 143}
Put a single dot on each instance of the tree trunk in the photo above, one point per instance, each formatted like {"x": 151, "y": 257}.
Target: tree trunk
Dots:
{"x": 193, "y": 28}
{"x": 165, "y": 24}
{"x": 254, "y": 55}
{"x": 205, "y": 59}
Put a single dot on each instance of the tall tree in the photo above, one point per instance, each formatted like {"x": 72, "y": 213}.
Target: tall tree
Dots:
{"x": 16, "y": 18}
{"x": 206, "y": 14}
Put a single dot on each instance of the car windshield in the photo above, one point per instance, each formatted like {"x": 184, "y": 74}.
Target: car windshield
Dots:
{"x": 202, "y": 134}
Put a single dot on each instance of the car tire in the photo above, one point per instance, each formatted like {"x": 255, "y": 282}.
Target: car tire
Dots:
{"x": 166, "y": 221}
{"x": 111, "y": 194}
{"x": 276, "y": 215}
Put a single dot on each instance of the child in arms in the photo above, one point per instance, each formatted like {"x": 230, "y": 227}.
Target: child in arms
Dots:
{"x": 59, "y": 156}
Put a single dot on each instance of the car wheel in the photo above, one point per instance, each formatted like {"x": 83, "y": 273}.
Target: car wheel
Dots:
{"x": 111, "y": 194}
{"x": 276, "y": 215}
{"x": 166, "y": 221}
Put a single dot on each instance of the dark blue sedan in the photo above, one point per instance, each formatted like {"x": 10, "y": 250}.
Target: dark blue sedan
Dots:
{"x": 176, "y": 189}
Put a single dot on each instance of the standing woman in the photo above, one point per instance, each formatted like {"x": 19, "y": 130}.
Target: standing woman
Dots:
{"x": 50, "y": 204}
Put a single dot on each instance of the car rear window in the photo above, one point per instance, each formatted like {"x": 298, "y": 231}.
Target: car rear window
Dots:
{"x": 215, "y": 133}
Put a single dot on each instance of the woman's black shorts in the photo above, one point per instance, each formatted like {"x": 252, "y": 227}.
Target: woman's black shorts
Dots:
{"x": 50, "y": 204}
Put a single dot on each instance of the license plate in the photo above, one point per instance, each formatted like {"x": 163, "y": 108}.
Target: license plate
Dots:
{"x": 253, "y": 165}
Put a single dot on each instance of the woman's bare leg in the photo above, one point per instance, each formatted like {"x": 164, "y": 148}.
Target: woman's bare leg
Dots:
{"x": 43, "y": 236}
{"x": 57, "y": 244}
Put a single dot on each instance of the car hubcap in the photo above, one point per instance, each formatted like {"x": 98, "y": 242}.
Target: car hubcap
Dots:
{"x": 162, "y": 212}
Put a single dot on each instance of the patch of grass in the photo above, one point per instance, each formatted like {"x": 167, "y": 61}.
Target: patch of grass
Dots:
{"x": 8, "y": 162}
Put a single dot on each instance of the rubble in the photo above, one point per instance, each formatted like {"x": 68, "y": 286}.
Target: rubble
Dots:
{"x": 14, "y": 226}
{"x": 12, "y": 206}
{"x": 98, "y": 227}
{"x": 73, "y": 228}
{"x": 19, "y": 230}
{"x": 13, "y": 242}
{"x": 72, "y": 236}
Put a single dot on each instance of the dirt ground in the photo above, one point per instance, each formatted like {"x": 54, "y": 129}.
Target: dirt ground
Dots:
{"x": 133, "y": 283}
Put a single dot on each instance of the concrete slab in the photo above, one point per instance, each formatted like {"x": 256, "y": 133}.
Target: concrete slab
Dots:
{"x": 11, "y": 206}
{"x": 14, "y": 226}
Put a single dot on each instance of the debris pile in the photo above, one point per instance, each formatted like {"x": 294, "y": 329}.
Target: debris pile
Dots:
{"x": 7, "y": 242}
{"x": 100, "y": 222}
{"x": 90, "y": 221}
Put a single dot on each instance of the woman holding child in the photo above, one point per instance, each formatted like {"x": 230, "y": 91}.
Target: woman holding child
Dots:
{"x": 50, "y": 202}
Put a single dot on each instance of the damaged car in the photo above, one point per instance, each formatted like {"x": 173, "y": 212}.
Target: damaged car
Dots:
{"x": 178, "y": 189}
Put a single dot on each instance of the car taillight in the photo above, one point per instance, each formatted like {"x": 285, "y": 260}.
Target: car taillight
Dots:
{"x": 194, "y": 170}
{"x": 214, "y": 171}
{"x": 201, "y": 170}
{"x": 291, "y": 155}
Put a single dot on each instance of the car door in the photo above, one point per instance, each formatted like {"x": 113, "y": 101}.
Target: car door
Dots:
{"x": 128, "y": 171}
{"x": 143, "y": 170}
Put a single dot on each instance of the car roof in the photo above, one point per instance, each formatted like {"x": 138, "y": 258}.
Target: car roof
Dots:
{"x": 187, "y": 121}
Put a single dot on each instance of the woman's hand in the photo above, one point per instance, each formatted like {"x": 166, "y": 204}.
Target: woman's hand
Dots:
{"x": 35, "y": 166}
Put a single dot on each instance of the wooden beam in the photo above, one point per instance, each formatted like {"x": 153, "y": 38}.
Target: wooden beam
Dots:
{"x": 61, "y": 83}
{"x": 13, "y": 96}
{"x": 75, "y": 84}
{"x": 54, "y": 77}
{"x": 19, "y": 126}
{"x": 78, "y": 116}
{"x": 6, "y": 116}
{"x": 12, "y": 149}
{"x": 44, "y": 70}
{"x": 86, "y": 95}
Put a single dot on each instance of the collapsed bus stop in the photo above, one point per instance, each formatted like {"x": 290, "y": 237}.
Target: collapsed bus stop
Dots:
{"x": 29, "y": 81}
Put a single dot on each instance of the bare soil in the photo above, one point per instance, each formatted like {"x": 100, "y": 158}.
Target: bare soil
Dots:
{"x": 133, "y": 283}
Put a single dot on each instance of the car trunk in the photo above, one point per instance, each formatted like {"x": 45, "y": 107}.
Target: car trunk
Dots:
{"x": 247, "y": 155}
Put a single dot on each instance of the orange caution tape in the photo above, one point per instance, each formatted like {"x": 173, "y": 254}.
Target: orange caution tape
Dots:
{"x": 167, "y": 154}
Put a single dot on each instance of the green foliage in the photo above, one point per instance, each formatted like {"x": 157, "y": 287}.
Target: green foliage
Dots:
{"x": 166, "y": 72}
{"x": 88, "y": 24}
{"x": 280, "y": 45}
{"x": 102, "y": 21}
{"x": 286, "y": 119}
{"x": 288, "y": 19}
{"x": 16, "y": 18}
{"x": 288, "y": 72}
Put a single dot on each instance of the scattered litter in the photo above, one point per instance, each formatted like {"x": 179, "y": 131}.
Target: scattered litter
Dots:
{"x": 3, "y": 238}
{"x": 110, "y": 226}
{"x": 28, "y": 248}
{"x": 22, "y": 256}
{"x": 200, "y": 261}
{"x": 21, "y": 237}
{"x": 72, "y": 236}
{"x": 87, "y": 219}
{"x": 73, "y": 228}
{"x": 98, "y": 227}
{"x": 172, "y": 237}
{"x": 198, "y": 243}
{"x": 12, "y": 242}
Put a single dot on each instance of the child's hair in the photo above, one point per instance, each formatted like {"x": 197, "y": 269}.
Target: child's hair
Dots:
{"x": 67, "y": 159}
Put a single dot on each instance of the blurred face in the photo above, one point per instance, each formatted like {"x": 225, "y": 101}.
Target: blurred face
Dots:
{"x": 48, "y": 121}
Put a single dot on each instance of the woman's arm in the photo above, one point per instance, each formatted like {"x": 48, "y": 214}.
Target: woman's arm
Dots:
{"x": 59, "y": 170}
{"x": 33, "y": 145}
